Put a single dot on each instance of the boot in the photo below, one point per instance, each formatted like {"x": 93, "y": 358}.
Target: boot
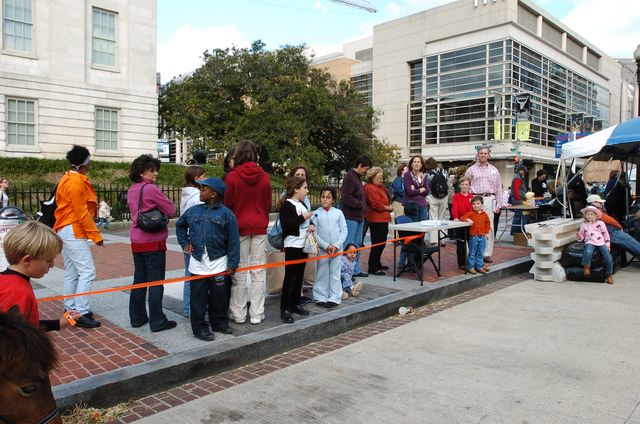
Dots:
{"x": 609, "y": 279}
{"x": 586, "y": 271}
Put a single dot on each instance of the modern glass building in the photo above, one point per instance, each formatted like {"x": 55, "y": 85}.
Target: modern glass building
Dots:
{"x": 448, "y": 79}
{"x": 457, "y": 96}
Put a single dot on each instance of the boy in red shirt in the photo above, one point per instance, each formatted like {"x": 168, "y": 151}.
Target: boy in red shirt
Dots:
{"x": 478, "y": 235}
{"x": 30, "y": 250}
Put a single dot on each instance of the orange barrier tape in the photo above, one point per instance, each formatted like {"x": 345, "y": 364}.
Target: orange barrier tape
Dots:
{"x": 406, "y": 240}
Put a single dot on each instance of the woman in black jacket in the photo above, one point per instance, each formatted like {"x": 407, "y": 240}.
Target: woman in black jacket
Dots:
{"x": 294, "y": 220}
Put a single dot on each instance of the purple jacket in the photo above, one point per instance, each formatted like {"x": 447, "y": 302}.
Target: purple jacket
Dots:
{"x": 414, "y": 195}
{"x": 152, "y": 197}
{"x": 352, "y": 200}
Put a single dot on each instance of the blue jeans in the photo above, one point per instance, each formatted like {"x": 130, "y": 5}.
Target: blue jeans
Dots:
{"x": 477, "y": 244}
{"x": 103, "y": 221}
{"x": 625, "y": 241}
{"x": 354, "y": 235}
{"x": 79, "y": 269}
{"x": 416, "y": 212}
{"x": 186, "y": 288}
{"x": 588, "y": 253}
{"x": 518, "y": 222}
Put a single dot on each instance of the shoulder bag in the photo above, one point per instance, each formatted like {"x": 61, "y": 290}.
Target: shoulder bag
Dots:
{"x": 151, "y": 221}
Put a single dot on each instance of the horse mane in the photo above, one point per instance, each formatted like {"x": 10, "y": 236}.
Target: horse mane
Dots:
{"x": 24, "y": 347}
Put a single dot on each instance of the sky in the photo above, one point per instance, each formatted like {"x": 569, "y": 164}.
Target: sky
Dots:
{"x": 187, "y": 28}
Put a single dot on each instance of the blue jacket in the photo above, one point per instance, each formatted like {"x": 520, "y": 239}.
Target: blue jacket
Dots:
{"x": 398, "y": 189}
{"x": 214, "y": 228}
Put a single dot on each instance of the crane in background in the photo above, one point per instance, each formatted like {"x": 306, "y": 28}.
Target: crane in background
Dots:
{"x": 359, "y": 4}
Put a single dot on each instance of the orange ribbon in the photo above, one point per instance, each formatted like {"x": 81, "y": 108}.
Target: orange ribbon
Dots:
{"x": 406, "y": 240}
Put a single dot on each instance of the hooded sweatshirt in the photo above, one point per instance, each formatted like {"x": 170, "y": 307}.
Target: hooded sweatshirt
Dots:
{"x": 248, "y": 196}
{"x": 190, "y": 197}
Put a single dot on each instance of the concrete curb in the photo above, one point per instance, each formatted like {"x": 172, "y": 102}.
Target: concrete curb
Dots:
{"x": 160, "y": 374}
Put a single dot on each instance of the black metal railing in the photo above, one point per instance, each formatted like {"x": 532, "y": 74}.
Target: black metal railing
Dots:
{"x": 28, "y": 198}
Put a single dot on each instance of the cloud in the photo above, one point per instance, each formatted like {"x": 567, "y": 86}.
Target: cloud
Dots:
{"x": 318, "y": 5}
{"x": 182, "y": 53}
{"x": 613, "y": 27}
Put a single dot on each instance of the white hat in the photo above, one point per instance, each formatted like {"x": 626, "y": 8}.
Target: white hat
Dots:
{"x": 595, "y": 198}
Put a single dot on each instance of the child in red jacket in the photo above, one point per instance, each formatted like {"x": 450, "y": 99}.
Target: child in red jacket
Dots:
{"x": 30, "y": 249}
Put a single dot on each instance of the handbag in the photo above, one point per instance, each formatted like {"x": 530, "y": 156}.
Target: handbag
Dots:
{"x": 274, "y": 236}
{"x": 310, "y": 244}
{"x": 151, "y": 221}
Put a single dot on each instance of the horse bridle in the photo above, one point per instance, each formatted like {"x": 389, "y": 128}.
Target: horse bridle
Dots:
{"x": 44, "y": 420}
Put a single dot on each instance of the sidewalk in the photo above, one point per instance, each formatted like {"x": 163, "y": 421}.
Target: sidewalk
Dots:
{"x": 116, "y": 362}
{"x": 532, "y": 352}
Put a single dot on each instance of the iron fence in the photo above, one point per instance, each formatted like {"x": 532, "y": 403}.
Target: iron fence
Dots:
{"x": 28, "y": 198}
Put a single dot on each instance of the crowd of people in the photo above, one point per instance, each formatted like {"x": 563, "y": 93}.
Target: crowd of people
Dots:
{"x": 223, "y": 226}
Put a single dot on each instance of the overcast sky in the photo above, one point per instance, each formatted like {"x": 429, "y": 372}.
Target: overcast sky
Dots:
{"x": 186, "y": 28}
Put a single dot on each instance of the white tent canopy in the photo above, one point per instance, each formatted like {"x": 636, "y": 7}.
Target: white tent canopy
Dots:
{"x": 587, "y": 146}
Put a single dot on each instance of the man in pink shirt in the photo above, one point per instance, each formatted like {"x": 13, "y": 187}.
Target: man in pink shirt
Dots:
{"x": 486, "y": 182}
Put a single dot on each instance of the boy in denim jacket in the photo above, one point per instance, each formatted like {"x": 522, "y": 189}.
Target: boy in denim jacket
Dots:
{"x": 213, "y": 241}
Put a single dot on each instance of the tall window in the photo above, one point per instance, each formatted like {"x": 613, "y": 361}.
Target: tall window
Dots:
{"x": 106, "y": 129}
{"x": 17, "y": 25}
{"x": 104, "y": 38}
{"x": 21, "y": 122}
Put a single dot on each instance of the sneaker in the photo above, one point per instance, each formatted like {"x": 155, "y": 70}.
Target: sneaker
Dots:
{"x": 357, "y": 288}
{"x": 85, "y": 321}
{"x": 205, "y": 336}
{"x": 344, "y": 295}
{"x": 471, "y": 271}
{"x": 321, "y": 304}
{"x": 481, "y": 271}
{"x": 257, "y": 320}
{"x": 330, "y": 305}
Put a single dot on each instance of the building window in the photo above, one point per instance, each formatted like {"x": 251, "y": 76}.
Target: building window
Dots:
{"x": 21, "y": 122}
{"x": 363, "y": 84}
{"x": 106, "y": 129}
{"x": 104, "y": 38}
{"x": 17, "y": 25}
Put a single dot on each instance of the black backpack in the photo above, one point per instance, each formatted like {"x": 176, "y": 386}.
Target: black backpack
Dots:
{"x": 438, "y": 185}
{"x": 47, "y": 211}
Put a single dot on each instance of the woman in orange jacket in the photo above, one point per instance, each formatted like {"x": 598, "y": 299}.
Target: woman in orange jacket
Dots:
{"x": 76, "y": 206}
{"x": 378, "y": 216}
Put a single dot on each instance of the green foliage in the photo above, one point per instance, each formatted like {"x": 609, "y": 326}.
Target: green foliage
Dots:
{"x": 295, "y": 113}
{"x": 32, "y": 172}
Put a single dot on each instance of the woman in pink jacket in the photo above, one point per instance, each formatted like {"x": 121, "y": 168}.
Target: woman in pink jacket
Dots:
{"x": 149, "y": 249}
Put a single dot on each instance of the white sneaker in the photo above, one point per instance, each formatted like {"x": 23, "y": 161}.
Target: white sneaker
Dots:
{"x": 258, "y": 320}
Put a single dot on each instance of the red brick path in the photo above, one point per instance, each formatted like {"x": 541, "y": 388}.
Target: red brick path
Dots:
{"x": 86, "y": 352}
{"x": 115, "y": 261}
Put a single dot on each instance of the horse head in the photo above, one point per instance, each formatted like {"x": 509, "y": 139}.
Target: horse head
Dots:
{"x": 27, "y": 356}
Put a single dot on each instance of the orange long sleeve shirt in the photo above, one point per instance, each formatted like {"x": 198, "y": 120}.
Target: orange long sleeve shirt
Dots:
{"x": 481, "y": 224}
{"x": 77, "y": 202}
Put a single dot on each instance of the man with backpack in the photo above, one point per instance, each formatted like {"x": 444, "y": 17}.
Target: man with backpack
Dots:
{"x": 437, "y": 198}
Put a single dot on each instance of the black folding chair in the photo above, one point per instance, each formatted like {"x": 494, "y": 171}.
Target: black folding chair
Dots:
{"x": 416, "y": 251}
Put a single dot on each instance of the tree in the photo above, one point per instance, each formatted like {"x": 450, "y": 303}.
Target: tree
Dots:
{"x": 294, "y": 112}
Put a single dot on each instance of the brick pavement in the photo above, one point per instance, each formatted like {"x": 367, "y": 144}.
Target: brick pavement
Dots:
{"x": 84, "y": 353}
{"x": 158, "y": 402}
{"x": 114, "y": 260}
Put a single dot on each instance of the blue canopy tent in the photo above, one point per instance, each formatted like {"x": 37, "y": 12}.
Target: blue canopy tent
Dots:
{"x": 618, "y": 142}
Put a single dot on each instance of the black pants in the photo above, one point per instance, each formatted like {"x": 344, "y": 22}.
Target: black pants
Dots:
{"x": 210, "y": 294}
{"x": 293, "y": 276}
{"x": 461, "y": 247}
{"x": 147, "y": 267}
{"x": 379, "y": 232}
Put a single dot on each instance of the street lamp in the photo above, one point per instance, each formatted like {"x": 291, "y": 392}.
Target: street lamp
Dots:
{"x": 636, "y": 56}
